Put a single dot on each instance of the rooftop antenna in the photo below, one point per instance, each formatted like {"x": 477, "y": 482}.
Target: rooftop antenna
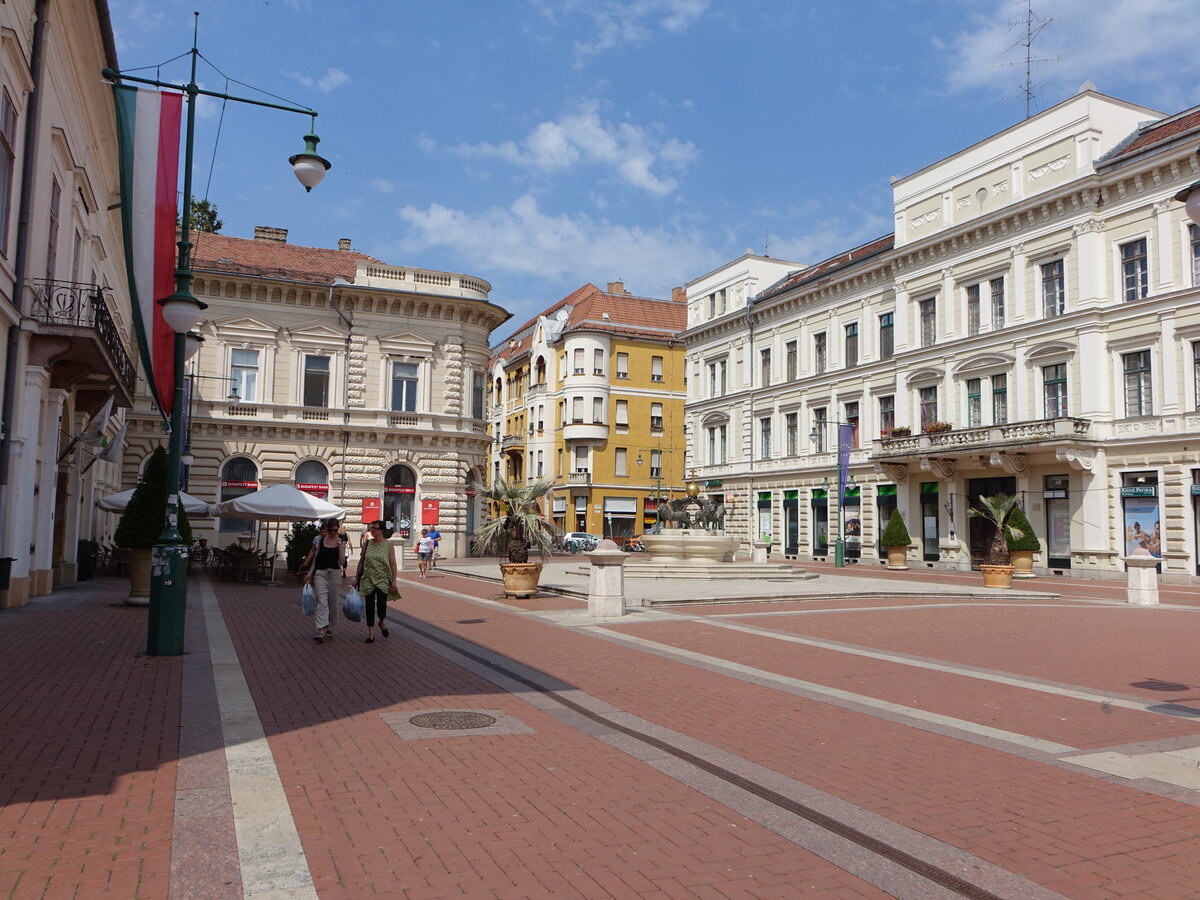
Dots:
{"x": 766, "y": 243}
{"x": 1034, "y": 25}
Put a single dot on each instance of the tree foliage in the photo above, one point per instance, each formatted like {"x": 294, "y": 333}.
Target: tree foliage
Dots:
{"x": 998, "y": 510}
{"x": 205, "y": 217}
{"x": 519, "y": 524}
{"x": 145, "y": 516}
{"x": 1027, "y": 540}
{"x": 896, "y": 535}
{"x": 298, "y": 543}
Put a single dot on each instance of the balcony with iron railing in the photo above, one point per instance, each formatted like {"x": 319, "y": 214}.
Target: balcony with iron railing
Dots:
{"x": 949, "y": 441}
{"x": 80, "y": 313}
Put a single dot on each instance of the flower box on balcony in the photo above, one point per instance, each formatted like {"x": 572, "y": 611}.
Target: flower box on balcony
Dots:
{"x": 935, "y": 427}
{"x": 898, "y": 431}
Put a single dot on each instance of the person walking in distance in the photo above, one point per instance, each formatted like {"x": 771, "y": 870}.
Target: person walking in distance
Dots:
{"x": 424, "y": 551}
{"x": 325, "y": 575}
{"x": 376, "y": 576}
{"x": 437, "y": 542}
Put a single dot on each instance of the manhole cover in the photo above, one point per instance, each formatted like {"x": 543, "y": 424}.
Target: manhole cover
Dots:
{"x": 452, "y": 721}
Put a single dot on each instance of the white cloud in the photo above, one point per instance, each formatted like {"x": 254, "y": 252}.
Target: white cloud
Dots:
{"x": 383, "y": 185}
{"x": 614, "y": 24}
{"x": 333, "y": 78}
{"x": 577, "y": 248}
{"x": 630, "y": 151}
{"x": 1116, "y": 42}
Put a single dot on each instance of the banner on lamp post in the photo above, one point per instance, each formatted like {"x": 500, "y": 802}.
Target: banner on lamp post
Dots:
{"x": 845, "y": 436}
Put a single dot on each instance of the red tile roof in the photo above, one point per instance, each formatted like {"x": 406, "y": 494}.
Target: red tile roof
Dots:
{"x": 1157, "y": 133}
{"x": 274, "y": 259}
{"x": 845, "y": 260}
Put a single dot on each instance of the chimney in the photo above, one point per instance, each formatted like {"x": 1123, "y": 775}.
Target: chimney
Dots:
{"x": 270, "y": 233}
{"x": 678, "y": 295}
{"x": 343, "y": 243}
{"x": 618, "y": 287}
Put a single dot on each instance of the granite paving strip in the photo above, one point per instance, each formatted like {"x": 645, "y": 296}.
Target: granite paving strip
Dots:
{"x": 272, "y": 860}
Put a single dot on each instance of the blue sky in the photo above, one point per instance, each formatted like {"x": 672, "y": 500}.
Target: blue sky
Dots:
{"x": 542, "y": 144}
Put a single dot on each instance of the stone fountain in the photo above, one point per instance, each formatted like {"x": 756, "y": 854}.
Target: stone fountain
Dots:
{"x": 691, "y": 530}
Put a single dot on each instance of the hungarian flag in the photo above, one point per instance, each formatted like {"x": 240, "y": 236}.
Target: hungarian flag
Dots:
{"x": 148, "y": 135}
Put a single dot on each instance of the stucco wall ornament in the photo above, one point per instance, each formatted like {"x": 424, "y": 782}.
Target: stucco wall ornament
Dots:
{"x": 895, "y": 472}
{"x": 1013, "y": 463}
{"x": 939, "y": 466}
{"x": 1053, "y": 166}
{"x": 1082, "y": 459}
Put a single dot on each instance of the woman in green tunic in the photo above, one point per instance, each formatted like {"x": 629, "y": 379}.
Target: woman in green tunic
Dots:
{"x": 376, "y": 578}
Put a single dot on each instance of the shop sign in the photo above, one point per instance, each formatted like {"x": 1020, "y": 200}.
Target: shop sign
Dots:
{"x": 1195, "y": 489}
{"x": 396, "y": 489}
{"x": 429, "y": 512}
{"x": 240, "y": 484}
{"x": 716, "y": 483}
{"x": 309, "y": 488}
{"x": 1139, "y": 490}
{"x": 372, "y": 509}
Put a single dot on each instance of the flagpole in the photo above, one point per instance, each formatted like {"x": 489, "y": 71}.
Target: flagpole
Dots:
{"x": 183, "y": 313}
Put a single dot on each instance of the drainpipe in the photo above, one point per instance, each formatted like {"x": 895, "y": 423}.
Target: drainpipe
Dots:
{"x": 28, "y": 172}
{"x": 345, "y": 385}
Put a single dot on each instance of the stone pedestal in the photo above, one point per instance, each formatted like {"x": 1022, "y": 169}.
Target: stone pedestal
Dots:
{"x": 606, "y": 581}
{"x": 1142, "y": 578}
{"x": 758, "y": 551}
{"x": 398, "y": 546}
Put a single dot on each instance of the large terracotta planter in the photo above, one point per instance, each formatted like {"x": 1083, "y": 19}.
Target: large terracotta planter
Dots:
{"x": 139, "y": 577}
{"x": 897, "y": 557}
{"x": 997, "y": 576}
{"x": 521, "y": 579}
{"x": 1022, "y": 561}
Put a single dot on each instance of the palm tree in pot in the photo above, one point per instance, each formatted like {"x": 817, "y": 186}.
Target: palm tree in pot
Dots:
{"x": 997, "y": 567}
{"x": 518, "y": 527}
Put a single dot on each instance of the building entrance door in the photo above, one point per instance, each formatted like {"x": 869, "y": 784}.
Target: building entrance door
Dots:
{"x": 981, "y": 530}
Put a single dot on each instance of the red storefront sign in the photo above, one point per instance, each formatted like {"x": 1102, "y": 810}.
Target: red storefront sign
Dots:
{"x": 372, "y": 510}
{"x": 253, "y": 485}
{"x": 319, "y": 490}
{"x": 396, "y": 489}
{"x": 429, "y": 512}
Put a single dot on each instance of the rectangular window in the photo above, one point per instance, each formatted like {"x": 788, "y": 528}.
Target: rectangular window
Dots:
{"x": 1194, "y": 233}
{"x": 1054, "y": 289}
{"x": 852, "y": 344}
{"x": 1135, "y": 275}
{"x": 541, "y": 464}
{"x": 974, "y": 402}
{"x": 819, "y": 360}
{"x": 577, "y": 410}
{"x": 578, "y": 366}
{"x": 723, "y": 440}
{"x": 852, "y": 418}
{"x": 712, "y": 305}
{"x": 582, "y": 458}
{"x": 716, "y": 444}
{"x": 997, "y": 285}
{"x": 973, "y": 309}
{"x": 791, "y": 427}
{"x": 820, "y": 443}
{"x": 316, "y": 381}
{"x": 656, "y": 368}
{"x": 792, "y": 356}
{"x": 8, "y": 157}
{"x": 541, "y": 420}
{"x": 1139, "y": 400}
{"x": 929, "y": 406}
{"x": 999, "y": 399}
{"x": 656, "y": 417}
{"x": 243, "y": 374}
{"x": 478, "y": 380}
{"x": 721, "y": 302}
{"x": 887, "y": 415}
{"x": 622, "y": 414}
{"x": 887, "y": 336}
{"x": 656, "y": 463}
{"x": 764, "y": 357}
{"x": 621, "y": 463}
{"x": 404, "y": 387}
{"x": 622, "y": 365}
{"x": 928, "y": 312}
{"x": 764, "y": 431}
{"x": 1195, "y": 374}
{"x": 716, "y": 379}
{"x": 598, "y": 410}
{"x": 1054, "y": 388}
{"x": 52, "y": 231}
{"x": 597, "y": 362}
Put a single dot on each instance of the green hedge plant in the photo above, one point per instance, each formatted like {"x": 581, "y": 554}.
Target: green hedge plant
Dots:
{"x": 1027, "y": 539}
{"x": 145, "y": 517}
{"x": 896, "y": 535}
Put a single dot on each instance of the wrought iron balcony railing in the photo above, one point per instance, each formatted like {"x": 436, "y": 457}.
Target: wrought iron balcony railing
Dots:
{"x": 79, "y": 305}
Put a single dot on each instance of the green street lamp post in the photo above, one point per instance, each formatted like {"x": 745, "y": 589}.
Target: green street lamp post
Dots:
{"x": 839, "y": 545}
{"x": 183, "y": 313}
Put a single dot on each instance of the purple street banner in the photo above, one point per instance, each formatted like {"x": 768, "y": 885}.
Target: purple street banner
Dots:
{"x": 845, "y": 436}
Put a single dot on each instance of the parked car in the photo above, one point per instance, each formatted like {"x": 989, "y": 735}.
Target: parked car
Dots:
{"x": 576, "y": 541}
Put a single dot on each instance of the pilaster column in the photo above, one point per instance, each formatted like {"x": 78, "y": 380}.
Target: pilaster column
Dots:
{"x": 44, "y": 521}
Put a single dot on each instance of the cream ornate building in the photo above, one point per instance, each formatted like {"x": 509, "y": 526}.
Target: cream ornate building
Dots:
{"x": 63, "y": 301}
{"x": 358, "y": 381}
{"x": 1032, "y": 326}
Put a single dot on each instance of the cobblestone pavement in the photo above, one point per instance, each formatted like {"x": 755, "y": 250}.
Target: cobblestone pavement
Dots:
{"x": 911, "y": 746}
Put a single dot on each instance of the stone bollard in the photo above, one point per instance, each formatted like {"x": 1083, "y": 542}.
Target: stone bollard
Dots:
{"x": 606, "y": 581}
{"x": 758, "y": 551}
{"x": 1142, "y": 580}
{"x": 398, "y": 544}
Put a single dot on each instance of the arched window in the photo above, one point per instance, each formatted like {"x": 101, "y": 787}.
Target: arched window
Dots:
{"x": 312, "y": 476}
{"x": 239, "y": 476}
{"x": 400, "y": 495}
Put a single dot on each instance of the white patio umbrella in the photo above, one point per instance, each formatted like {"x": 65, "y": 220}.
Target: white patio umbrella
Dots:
{"x": 194, "y": 506}
{"x": 279, "y": 503}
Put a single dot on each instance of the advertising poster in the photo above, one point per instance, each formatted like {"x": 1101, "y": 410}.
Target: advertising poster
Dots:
{"x": 1142, "y": 528}
{"x": 372, "y": 510}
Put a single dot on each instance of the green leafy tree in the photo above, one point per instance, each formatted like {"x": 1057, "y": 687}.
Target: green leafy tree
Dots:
{"x": 519, "y": 524}
{"x": 895, "y": 534}
{"x": 1027, "y": 540}
{"x": 998, "y": 510}
{"x": 204, "y": 217}
{"x": 145, "y": 517}
{"x": 298, "y": 543}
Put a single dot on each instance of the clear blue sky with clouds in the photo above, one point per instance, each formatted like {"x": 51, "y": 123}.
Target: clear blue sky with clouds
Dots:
{"x": 542, "y": 144}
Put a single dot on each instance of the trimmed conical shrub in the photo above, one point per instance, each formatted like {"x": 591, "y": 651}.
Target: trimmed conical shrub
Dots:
{"x": 145, "y": 517}
{"x": 1018, "y": 521}
{"x": 896, "y": 535}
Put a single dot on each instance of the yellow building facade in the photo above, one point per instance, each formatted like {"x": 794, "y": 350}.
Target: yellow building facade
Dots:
{"x": 590, "y": 395}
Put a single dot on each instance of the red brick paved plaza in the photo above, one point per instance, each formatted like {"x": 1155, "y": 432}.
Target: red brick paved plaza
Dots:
{"x": 909, "y": 747}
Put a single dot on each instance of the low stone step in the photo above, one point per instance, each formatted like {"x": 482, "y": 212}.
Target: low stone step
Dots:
{"x": 710, "y": 571}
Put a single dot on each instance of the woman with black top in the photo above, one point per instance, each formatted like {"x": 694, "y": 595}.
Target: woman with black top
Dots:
{"x": 325, "y": 575}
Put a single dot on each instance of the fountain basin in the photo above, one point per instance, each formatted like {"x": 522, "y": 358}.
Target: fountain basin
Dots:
{"x": 690, "y": 545}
